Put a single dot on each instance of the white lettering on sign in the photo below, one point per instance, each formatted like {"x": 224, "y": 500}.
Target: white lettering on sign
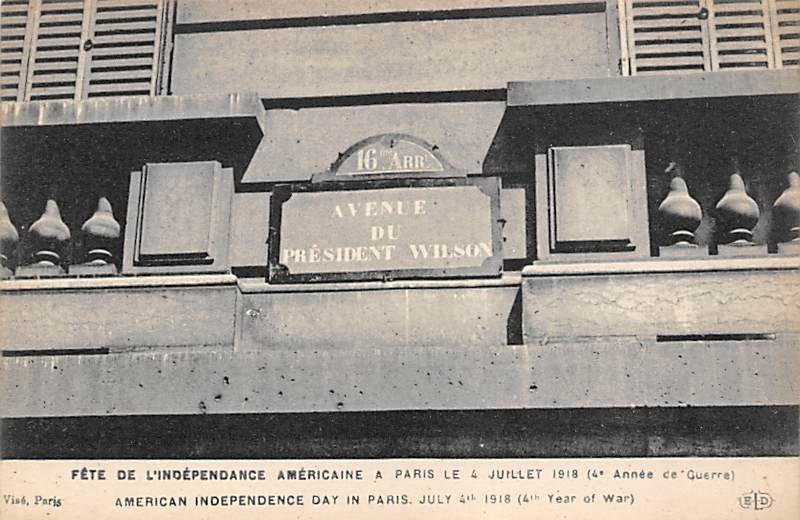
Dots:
{"x": 380, "y": 208}
{"x": 384, "y": 252}
{"x": 387, "y": 229}
{"x": 367, "y": 161}
{"x": 395, "y": 156}
{"x": 366, "y": 253}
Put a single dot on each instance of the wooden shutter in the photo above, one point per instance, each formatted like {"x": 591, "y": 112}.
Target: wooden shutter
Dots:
{"x": 15, "y": 20}
{"x": 786, "y": 32}
{"x": 740, "y": 34}
{"x": 55, "y": 49}
{"x": 666, "y": 36}
{"x": 126, "y": 40}
{"x": 74, "y": 49}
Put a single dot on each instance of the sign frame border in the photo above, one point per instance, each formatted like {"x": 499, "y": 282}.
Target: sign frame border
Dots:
{"x": 492, "y": 266}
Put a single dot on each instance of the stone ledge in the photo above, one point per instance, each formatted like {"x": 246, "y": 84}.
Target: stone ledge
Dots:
{"x": 654, "y": 88}
{"x": 710, "y": 264}
{"x": 620, "y": 372}
{"x": 380, "y": 314}
{"x": 117, "y": 313}
{"x": 254, "y": 286}
{"x": 68, "y": 283}
{"x": 662, "y": 298}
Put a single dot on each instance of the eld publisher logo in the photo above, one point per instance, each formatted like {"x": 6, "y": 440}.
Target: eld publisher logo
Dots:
{"x": 756, "y": 500}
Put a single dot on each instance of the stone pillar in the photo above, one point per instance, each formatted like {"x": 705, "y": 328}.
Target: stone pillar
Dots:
{"x": 787, "y": 217}
{"x": 737, "y": 215}
{"x": 100, "y": 237}
{"x": 680, "y": 216}
{"x": 48, "y": 238}
{"x": 9, "y": 238}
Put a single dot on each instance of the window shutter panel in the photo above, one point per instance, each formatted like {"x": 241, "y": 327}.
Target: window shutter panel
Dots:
{"x": 786, "y": 32}
{"x": 740, "y": 34}
{"x": 54, "y": 62}
{"x": 666, "y": 36}
{"x": 15, "y": 20}
{"x": 126, "y": 40}
{"x": 74, "y": 49}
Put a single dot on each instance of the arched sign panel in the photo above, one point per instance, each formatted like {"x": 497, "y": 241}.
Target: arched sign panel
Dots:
{"x": 391, "y": 207}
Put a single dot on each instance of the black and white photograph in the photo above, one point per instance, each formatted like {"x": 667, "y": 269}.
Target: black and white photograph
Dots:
{"x": 367, "y": 259}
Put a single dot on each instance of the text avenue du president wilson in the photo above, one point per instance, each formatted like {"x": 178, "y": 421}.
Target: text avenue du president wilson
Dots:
{"x": 385, "y": 240}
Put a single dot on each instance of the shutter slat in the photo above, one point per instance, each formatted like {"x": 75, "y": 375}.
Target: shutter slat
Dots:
{"x": 15, "y": 33}
{"x": 125, "y": 10}
{"x": 43, "y": 80}
{"x": 9, "y": 67}
{"x": 14, "y": 10}
{"x": 740, "y": 19}
{"x": 137, "y": 40}
{"x": 665, "y": 11}
{"x": 54, "y": 93}
{"x": 58, "y": 42}
{"x": 678, "y": 60}
{"x": 137, "y": 74}
{"x": 61, "y": 55}
{"x": 125, "y": 4}
{"x": 12, "y": 46}
{"x": 669, "y": 48}
{"x": 738, "y": 7}
{"x": 143, "y": 86}
{"x": 10, "y": 57}
{"x": 747, "y": 32}
{"x": 101, "y": 65}
{"x": 787, "y": 18}
{"x": 106, "y": 52}
{"x": 669, "y": 24}
{"x": 670, "y": 35}
{"x": 63, "y": 19}
{"x": 722, "y": 46}
{"x": 46, "y": 67}
{"x": 146, "y": 26}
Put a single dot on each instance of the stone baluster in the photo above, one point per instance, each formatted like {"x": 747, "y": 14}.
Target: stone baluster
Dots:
{"x": 48, "y": 238}
{"x": 100, "y": 236}
{"x": 787, "y": 217}
{"x": 8, "y": 243}
{"x": 737, "y": 215}
{"x": 680, "y": 216}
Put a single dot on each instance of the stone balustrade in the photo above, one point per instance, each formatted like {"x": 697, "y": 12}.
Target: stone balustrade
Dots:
{"x": 48, "y": 248}
{"x": 735, "y": 214}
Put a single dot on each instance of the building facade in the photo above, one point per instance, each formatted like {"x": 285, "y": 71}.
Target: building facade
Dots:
{"x": 469, "y": 228}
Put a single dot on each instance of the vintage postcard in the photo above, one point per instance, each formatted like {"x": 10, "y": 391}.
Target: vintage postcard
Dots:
{"x": 406, "y": 258}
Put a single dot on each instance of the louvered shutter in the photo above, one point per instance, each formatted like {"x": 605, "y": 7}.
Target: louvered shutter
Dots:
{"x": 126, "y": 41}
{"x": 74, "y": 49}
{"x": 786, "y": 32}
{"x": 15, "y": 20}
{"x": 55, "y": 50}
{"x": 740, "y": 34}
{"x": 666, "y": 36}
